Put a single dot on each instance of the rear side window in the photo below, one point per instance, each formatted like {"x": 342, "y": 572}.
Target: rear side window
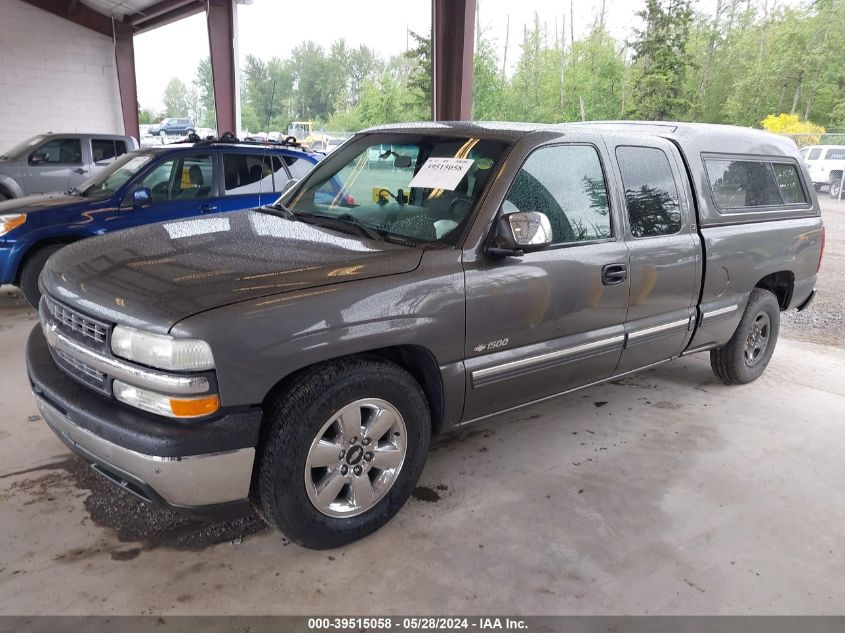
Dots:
{"x": 297, "y": 167}
{"x": 789, "y": 183}
{"x": 106, "y": 149}
{"x": 650, "y": 191}
{"x": 744, "y": 184}
{"x": 566, "y": 183}
{"x": 247, "y": 174}
{"x": 835, "y": 154}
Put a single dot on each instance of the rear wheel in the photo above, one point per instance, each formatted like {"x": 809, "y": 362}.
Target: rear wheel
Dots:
{"x": 835, "y": 186}
{"x": 745, "y": 357}
{"x": 32, "y": 269}
{"x": 341, "y": 452}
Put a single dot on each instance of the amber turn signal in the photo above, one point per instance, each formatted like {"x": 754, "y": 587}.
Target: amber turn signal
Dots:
{"x": 194, "y": 407}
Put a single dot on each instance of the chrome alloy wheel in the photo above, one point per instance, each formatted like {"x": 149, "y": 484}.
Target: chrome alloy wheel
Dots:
{"x": 757, "y": 340}
{"x": 355, "y": 458}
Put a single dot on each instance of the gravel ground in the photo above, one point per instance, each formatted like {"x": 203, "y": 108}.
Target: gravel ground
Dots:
{"x": 824, "y": 321}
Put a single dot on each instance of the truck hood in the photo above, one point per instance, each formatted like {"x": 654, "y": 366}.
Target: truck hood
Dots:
{"x": 155, "y": 275}
{"x": 41, "y": 202}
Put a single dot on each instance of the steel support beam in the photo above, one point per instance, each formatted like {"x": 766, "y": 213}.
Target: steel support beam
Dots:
{"x": 164, "y": 12}
{"x": 124, "y": 55}
{"x": 77, "y": 13}
{"x": 452, "y": 27}
{"x": 221, "y": 44}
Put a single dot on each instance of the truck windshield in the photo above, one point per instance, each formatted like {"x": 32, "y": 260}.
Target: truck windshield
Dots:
{"x": 405, "y": 187}
{"x": 113, "y": 177}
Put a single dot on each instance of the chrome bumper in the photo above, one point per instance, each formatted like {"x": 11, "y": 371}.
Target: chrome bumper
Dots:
{"x": 183, "y": 482}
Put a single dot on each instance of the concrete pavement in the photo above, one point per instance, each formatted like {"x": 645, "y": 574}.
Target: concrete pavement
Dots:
{"x": 666, "y": 493}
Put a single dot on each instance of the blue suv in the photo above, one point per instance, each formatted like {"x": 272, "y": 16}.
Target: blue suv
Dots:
{"x": 149, "y": 185}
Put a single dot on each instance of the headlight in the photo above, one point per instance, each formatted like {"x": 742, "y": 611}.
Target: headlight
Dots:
{"x": 161, "y": 351}
{"x": 11, "y": 221}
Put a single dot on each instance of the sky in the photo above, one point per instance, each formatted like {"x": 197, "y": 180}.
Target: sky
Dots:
{"x": 272, "y": 28}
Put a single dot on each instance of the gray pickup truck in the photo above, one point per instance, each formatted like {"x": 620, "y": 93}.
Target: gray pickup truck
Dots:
{"x": 56, "y": 162}
{"x": 300, "y": 356}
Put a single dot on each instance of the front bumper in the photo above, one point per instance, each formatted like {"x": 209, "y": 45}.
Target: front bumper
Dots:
{"x": 201, "y": 467}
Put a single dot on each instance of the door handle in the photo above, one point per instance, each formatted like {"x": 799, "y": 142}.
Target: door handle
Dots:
{"x": 80, "y": 171}
{"x": 612, "y": 274}
{"x": 208, "y": 208}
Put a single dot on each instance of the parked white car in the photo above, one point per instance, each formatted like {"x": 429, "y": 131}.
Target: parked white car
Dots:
{"x": 826, "y": 164}
{"x": 56, "y": 162}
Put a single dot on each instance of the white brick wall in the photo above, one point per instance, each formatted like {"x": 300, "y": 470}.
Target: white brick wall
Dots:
{"x": 54, "y": 76}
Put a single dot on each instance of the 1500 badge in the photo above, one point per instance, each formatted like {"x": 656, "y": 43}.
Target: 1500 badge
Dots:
{"x": 486, "y": 347}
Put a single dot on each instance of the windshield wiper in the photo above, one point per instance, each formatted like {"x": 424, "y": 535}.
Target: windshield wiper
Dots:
{"x": 363, "y": 229}
{"x": 279, "y": 210}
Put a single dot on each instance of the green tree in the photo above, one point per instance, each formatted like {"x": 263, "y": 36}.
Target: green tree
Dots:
{"x": 177, "y": 99}
{"x": 419, "y": 80}
{"x": 661, "y": 60}
{"x": 488, "y": 86}
{"x": 146, "y": 116}
{"x": 204, "y": 87}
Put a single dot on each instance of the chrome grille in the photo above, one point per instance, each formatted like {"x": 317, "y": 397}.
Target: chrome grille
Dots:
{"x": 73, "y": 321}
{"x": 81, "y": 367}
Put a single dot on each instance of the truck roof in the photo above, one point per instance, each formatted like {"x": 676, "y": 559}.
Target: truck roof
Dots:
{"x": 692, "y": 137}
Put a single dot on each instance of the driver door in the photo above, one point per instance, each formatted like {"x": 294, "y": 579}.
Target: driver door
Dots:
{"x": 49, "y": 167}
{"x": 182, "y": 186}
{"x": 551, "y": 320}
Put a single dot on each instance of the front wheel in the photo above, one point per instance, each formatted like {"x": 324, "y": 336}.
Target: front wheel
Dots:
{"x": 835, "y": 186}
{"x": 745, "y": 357}
{"x": 32, "y": 269}
{"x": 341, "y": 452}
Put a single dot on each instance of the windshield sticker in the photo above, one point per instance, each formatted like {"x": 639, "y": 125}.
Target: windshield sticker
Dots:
{"x": 442, "y": 173}
{"x": 484, "y": 163}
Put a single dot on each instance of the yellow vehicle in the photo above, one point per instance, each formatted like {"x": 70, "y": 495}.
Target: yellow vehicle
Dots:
{"x": 305, "y": 134}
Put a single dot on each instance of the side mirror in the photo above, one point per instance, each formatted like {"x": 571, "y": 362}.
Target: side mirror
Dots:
{"x": 141, "y": 196}
{"x": 36, "y": 158}
{"x": 402, "y": 162}
{"x": 521, "y": 232}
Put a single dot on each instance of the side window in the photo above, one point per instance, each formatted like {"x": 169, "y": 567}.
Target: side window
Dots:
{"x": 104, "y": 149}
{"x": 789, "y": 183}
{"x": 814, "y": 154}
{"x": 181, "y": 178}
{"x": 280, "y": 174}
{"x": 119, "y": 148}
{"x": 247, "y": 174}
{"x": 650, "y": 191}
{"x": 835, "y": 154}
{"x": 60, "y": 151}
{"x": 297, "y": 167}
{"x": 566, "y": 183}
{"x": 738, "y": 184}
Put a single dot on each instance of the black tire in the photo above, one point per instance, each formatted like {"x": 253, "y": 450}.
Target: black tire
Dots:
{"x": 834, "y": 189}
{"x": 32, "y": 268}
{"x": 162, "y": 132}
{"x": 190, "y": 130}
{"x": 294, "y": 420}
{"x": 739, "y": 361}
{"x": 3, "y": 196}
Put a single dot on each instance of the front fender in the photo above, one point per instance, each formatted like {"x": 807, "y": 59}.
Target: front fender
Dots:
{"x": 10, "y": 185}
{"x": 259, "y": 342}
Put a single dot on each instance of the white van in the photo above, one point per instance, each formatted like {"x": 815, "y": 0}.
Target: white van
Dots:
{"x": 826, "y": 164}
